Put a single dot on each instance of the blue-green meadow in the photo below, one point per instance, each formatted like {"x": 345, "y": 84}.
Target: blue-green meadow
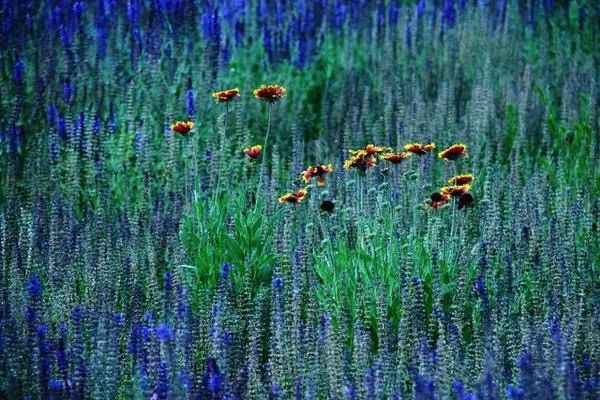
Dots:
{"x": 277, "y": 199}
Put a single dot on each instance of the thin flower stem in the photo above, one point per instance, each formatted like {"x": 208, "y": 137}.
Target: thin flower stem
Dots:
{"x": 195, "y": 160}
{"x": 361, "y": 206}
{"x": 421, "y": 169}
{"x": 360, "y": 193}
{"x": 216, "y": 193}
{"x": 453, "y": 219}
{"x": 186, "y": 173}
{"x": 264, "y": 149}
{"x": 452, "y": 227}
{"x": 392, "y": 179}
{"x": 326, "y": 229}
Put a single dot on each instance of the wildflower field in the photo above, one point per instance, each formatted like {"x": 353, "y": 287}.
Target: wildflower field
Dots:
{"x": 296, "y": 199}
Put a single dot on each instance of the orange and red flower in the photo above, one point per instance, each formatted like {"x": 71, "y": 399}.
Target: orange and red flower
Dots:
{"x": 294, "y": 198}
{"x": 455, "y": 190}
{"x": 360, "y": 160}
{"x": 224, "y": 96}
{"x": 371, "y": 150}
{"x": 454, "y": 152}
{"x": 418, "y": 148}
{"x": 395, "y": 158}
{"x": 319, "y": 171}
{"x": 461, "y": 179}
{"x": 365, "y": 158}
{"x": 270, "y": 93}
{"x": 439, "y": 200}
{"x": 183, "y": 128}
{"x": 253, "y": 152}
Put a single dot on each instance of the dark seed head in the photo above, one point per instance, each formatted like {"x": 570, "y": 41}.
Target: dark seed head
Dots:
{"x": 327, "y": 206}
{"x": 465, "y": 200}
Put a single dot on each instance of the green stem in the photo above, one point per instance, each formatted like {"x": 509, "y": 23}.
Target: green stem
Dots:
{"x": 195, "y": 159}
{"x": 216, "y": 193}
{"x": 360, "y": 193}
{"x": 361, "y": 205}
{"x": 452, "y": 227}
{"x": 264, "y": 150}
{"x": 186, "y": 170}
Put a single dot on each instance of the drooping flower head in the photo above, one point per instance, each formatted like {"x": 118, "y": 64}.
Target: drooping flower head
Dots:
{"x": 461, "y": 179}
{"x": 327, "y": 206}
{"x": 465, "y": 200}
{"x": 395, "y": 158}
{"x": 419, "y": 149}
{"x": 224, "y": 96}
{"x": 253, "y": 152}
{"x": 454, "y": 152}
{"x": 318, "y": 171}
{"x": 439, "y": 200}
{"x": 183, "y": 128}
{"x": 455, "y": 190}
{"x": 270, "y": 93}
{"x": 294, "y": 198}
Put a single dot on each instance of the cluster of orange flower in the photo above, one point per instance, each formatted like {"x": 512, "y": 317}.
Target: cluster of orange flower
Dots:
{"x": 317, "y": 171}
{"x": 362, "y": 159}
{"x": 460, "y": 184}
{"x": 366, "y": 158}
{"x": 312, "y": 171}
{"x": 457, "y": 190}
{"x": 419, "y": 149}
{"x": 268, "y": 93}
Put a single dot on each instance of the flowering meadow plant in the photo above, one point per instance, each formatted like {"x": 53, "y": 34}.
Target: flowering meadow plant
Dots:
{"x": 461, "y": 179}
{"x": 182, "y": 128}
{"x": 366, "y": 158}
{"x": 270, "y": 93}
{"x": 412, "y": 215}
{"x": 419, "y": 149}
{"x": 253, "y": 152}
{"x": 318, "y": 171}
{"x": 294, "y": 198}
{"x": 453, "y": 152}
{"x": 225, "y": 96}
